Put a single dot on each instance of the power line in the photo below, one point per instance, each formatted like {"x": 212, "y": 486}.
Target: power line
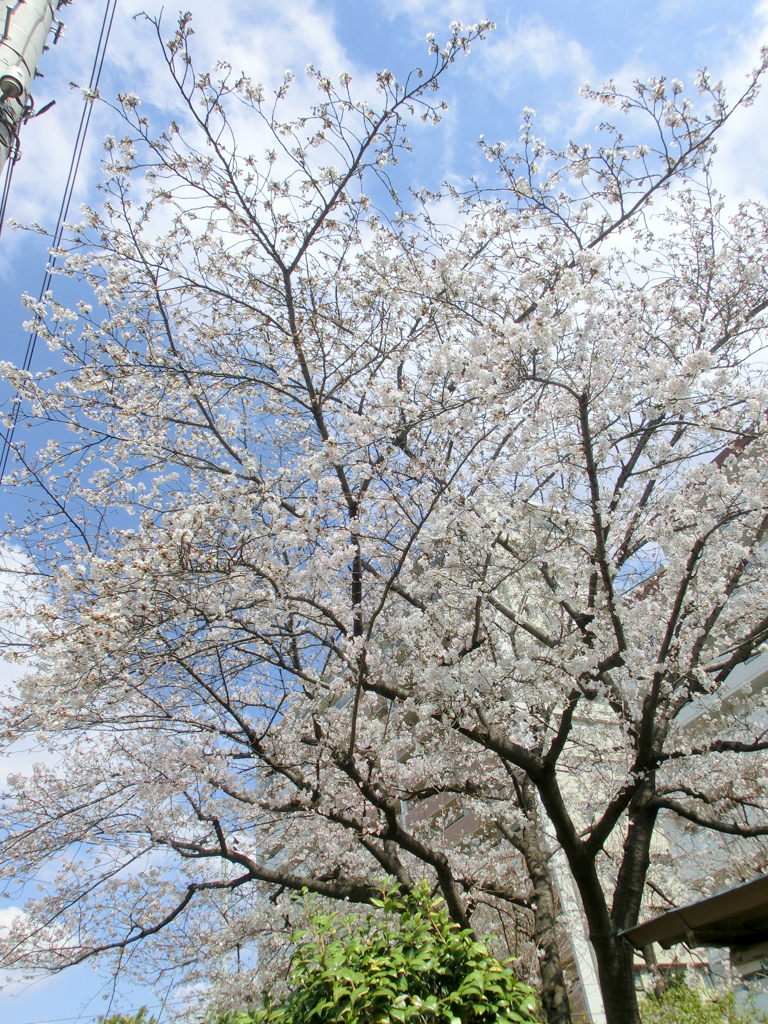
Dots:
{"x": 98, "y": 1016}
{"x": 69, "y": 188}
{"x": 62, "y": 1020}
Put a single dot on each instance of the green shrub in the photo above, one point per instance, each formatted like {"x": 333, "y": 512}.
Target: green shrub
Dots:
{"x": 683, "y": 1005}
{"x": 139, "y": 1017}
{"x": 407, "y": 965}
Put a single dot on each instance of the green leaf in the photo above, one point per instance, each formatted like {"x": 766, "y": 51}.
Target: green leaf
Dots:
{"x": 406, "y": 963}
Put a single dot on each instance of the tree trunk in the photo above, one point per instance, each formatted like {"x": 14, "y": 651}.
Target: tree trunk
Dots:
{"x": 659, "y": 979}
{"x": 528, "y": 840}
{"x": 614, "y": 956}
{"x": 615, "y": 959}
{"x": 554, "y": 995}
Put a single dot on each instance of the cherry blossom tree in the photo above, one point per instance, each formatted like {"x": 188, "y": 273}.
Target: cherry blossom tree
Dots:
{"x": 366, "y": 547}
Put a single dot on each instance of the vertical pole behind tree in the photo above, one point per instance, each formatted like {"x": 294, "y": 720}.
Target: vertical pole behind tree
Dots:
{"x": 25, "y": 25}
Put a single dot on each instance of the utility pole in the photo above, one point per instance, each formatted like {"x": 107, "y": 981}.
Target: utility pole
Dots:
{"x": 25, "y": 25}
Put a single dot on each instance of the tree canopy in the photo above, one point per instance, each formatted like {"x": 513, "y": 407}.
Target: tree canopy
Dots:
{"x": 383, "y": 535}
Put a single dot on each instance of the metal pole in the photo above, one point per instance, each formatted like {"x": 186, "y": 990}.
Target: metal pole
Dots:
{"x": 25, "y": 25}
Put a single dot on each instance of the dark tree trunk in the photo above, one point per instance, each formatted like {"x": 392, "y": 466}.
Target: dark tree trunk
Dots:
{"x": 554, "y": 994}
{"x": 636, "y": 800}
{"x": 528, "y": 840}
{"x": 614, "y": 955}
{"x": 615, "y": 959}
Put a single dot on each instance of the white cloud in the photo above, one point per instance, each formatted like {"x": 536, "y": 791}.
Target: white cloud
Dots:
{"x": 8, "y": 915}
{"x": 743, "y": 147}
{"x": 534, "y": 45}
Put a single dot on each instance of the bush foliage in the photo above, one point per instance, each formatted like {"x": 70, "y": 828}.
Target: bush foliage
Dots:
{"x": 408, "y": 965}
{"x": 139, "y": 1017}
{"x": 683, "y": 1005}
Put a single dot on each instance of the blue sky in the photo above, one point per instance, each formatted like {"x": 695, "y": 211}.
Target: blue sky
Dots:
{"x": 538, "y": 57}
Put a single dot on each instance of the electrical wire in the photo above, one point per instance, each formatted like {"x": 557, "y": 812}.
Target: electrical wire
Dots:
{"x": 95, "y": 1017}
{"x": 74, "y": 166}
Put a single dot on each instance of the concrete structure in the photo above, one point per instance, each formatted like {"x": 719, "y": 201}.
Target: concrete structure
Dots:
{"x": 25, "y": 27}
